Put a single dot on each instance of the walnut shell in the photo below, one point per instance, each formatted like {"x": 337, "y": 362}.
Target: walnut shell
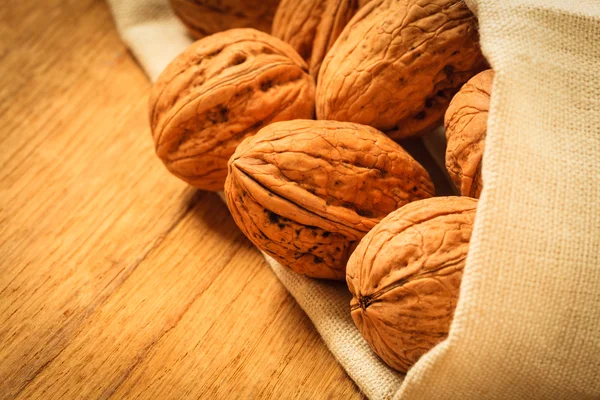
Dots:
{"x": 466, "y": 128}
{"x": 397, "y": 64}
{"x": 405, "y": 277}
{"x": 306, "y": 191}
{"x": 222, "y": 89}
{"x": 312, "y": 26}
{"x": 205, "y": 17}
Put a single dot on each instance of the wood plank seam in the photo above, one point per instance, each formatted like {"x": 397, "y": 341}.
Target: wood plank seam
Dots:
{"x": 146, "y": 352}
{"x": 104, "y": 297}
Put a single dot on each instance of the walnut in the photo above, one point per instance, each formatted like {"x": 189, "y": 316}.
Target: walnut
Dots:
{"x": 205, "y": 17}
{"x": 397, "y": 64}
{"x": 222, "y": 89}
{"x": 306, "y": 191}
{"x": 466, "y": 128}
{"x": 405, "y": 277}
{"x": 312, "y": 26}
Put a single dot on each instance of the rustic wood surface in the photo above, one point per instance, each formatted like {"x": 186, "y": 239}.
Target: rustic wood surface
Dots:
{"x": 117, "y": 280}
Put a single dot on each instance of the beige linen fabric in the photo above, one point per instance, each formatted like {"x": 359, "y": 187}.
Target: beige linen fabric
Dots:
{"x": 527, "y": 324}
{"x": 151, "y": 31}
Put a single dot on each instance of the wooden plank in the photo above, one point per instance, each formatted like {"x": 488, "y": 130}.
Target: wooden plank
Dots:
{"x": 220, "y": 316}
{"x": 115, "y": 278}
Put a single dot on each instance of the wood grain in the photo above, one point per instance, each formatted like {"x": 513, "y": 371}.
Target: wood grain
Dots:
{"x": 116, "y": 279}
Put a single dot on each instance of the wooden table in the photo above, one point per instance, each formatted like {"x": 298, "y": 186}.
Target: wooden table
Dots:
{"x": 116, "y": 279}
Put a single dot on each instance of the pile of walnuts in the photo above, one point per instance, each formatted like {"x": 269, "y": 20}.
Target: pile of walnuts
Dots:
{"x": 299, "y": 129}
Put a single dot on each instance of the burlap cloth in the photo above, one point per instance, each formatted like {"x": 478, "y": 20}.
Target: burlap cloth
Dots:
{"x": 527, "y": 325}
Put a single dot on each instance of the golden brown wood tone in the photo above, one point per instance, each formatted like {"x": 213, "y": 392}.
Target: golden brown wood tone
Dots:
{"x": 116, "y": 279}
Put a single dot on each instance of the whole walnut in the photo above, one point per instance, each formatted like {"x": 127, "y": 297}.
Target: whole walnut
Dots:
{"x": 205, "y": 17}
{"x": 466, "y": 128}
{"x": 222, "y": 89}
{"x": 312, "y": 26}
{"x": 405, "y": 277}
{"x": 397, "y": 64}
{"x": 306, "y": 191}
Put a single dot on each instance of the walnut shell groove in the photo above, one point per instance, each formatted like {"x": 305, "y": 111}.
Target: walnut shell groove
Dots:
{"x": 397, "y": 64}
{"x": 220, "y": 90}
{"x": 405, "y": 277}
{"x": 312, "y": 26}
{"x": 466, "y": 129}
{"x": 306, "y": 191}
{"x": 207, "y": 17}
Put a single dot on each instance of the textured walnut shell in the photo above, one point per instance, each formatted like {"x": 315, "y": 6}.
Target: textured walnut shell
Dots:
{"x": 397, "y": 64}
{"x": 306, "y": 191}
{"x": 222, "y": 89}
{"x": 312, "y": 26}
{"x": 205, "y": 17}
{"x": 466, "y": 128}
{"x": 405, "y": 277}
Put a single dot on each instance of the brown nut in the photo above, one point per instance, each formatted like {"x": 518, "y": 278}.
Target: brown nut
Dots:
{"x": 312, "y": 26}
{"x": 306, "y": 191}
{"x": 205, "y": 17}
{"x": 222, "y": 89}
{"x": 405, "y": 277}
{"x": 397, "y": 64}
{"x": 466, "y": 128}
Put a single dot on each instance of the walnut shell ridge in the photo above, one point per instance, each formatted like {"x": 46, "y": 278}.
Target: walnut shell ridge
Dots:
{"x": 306, "y": 191}
{"x": 466, "y": 129}
{"x": 220, "y": 90}
{"x": 397, "y": 63}
{"x": 206, "y": 17}
{"x": 405, "y": 277}
{"x": 312, "y": 26}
